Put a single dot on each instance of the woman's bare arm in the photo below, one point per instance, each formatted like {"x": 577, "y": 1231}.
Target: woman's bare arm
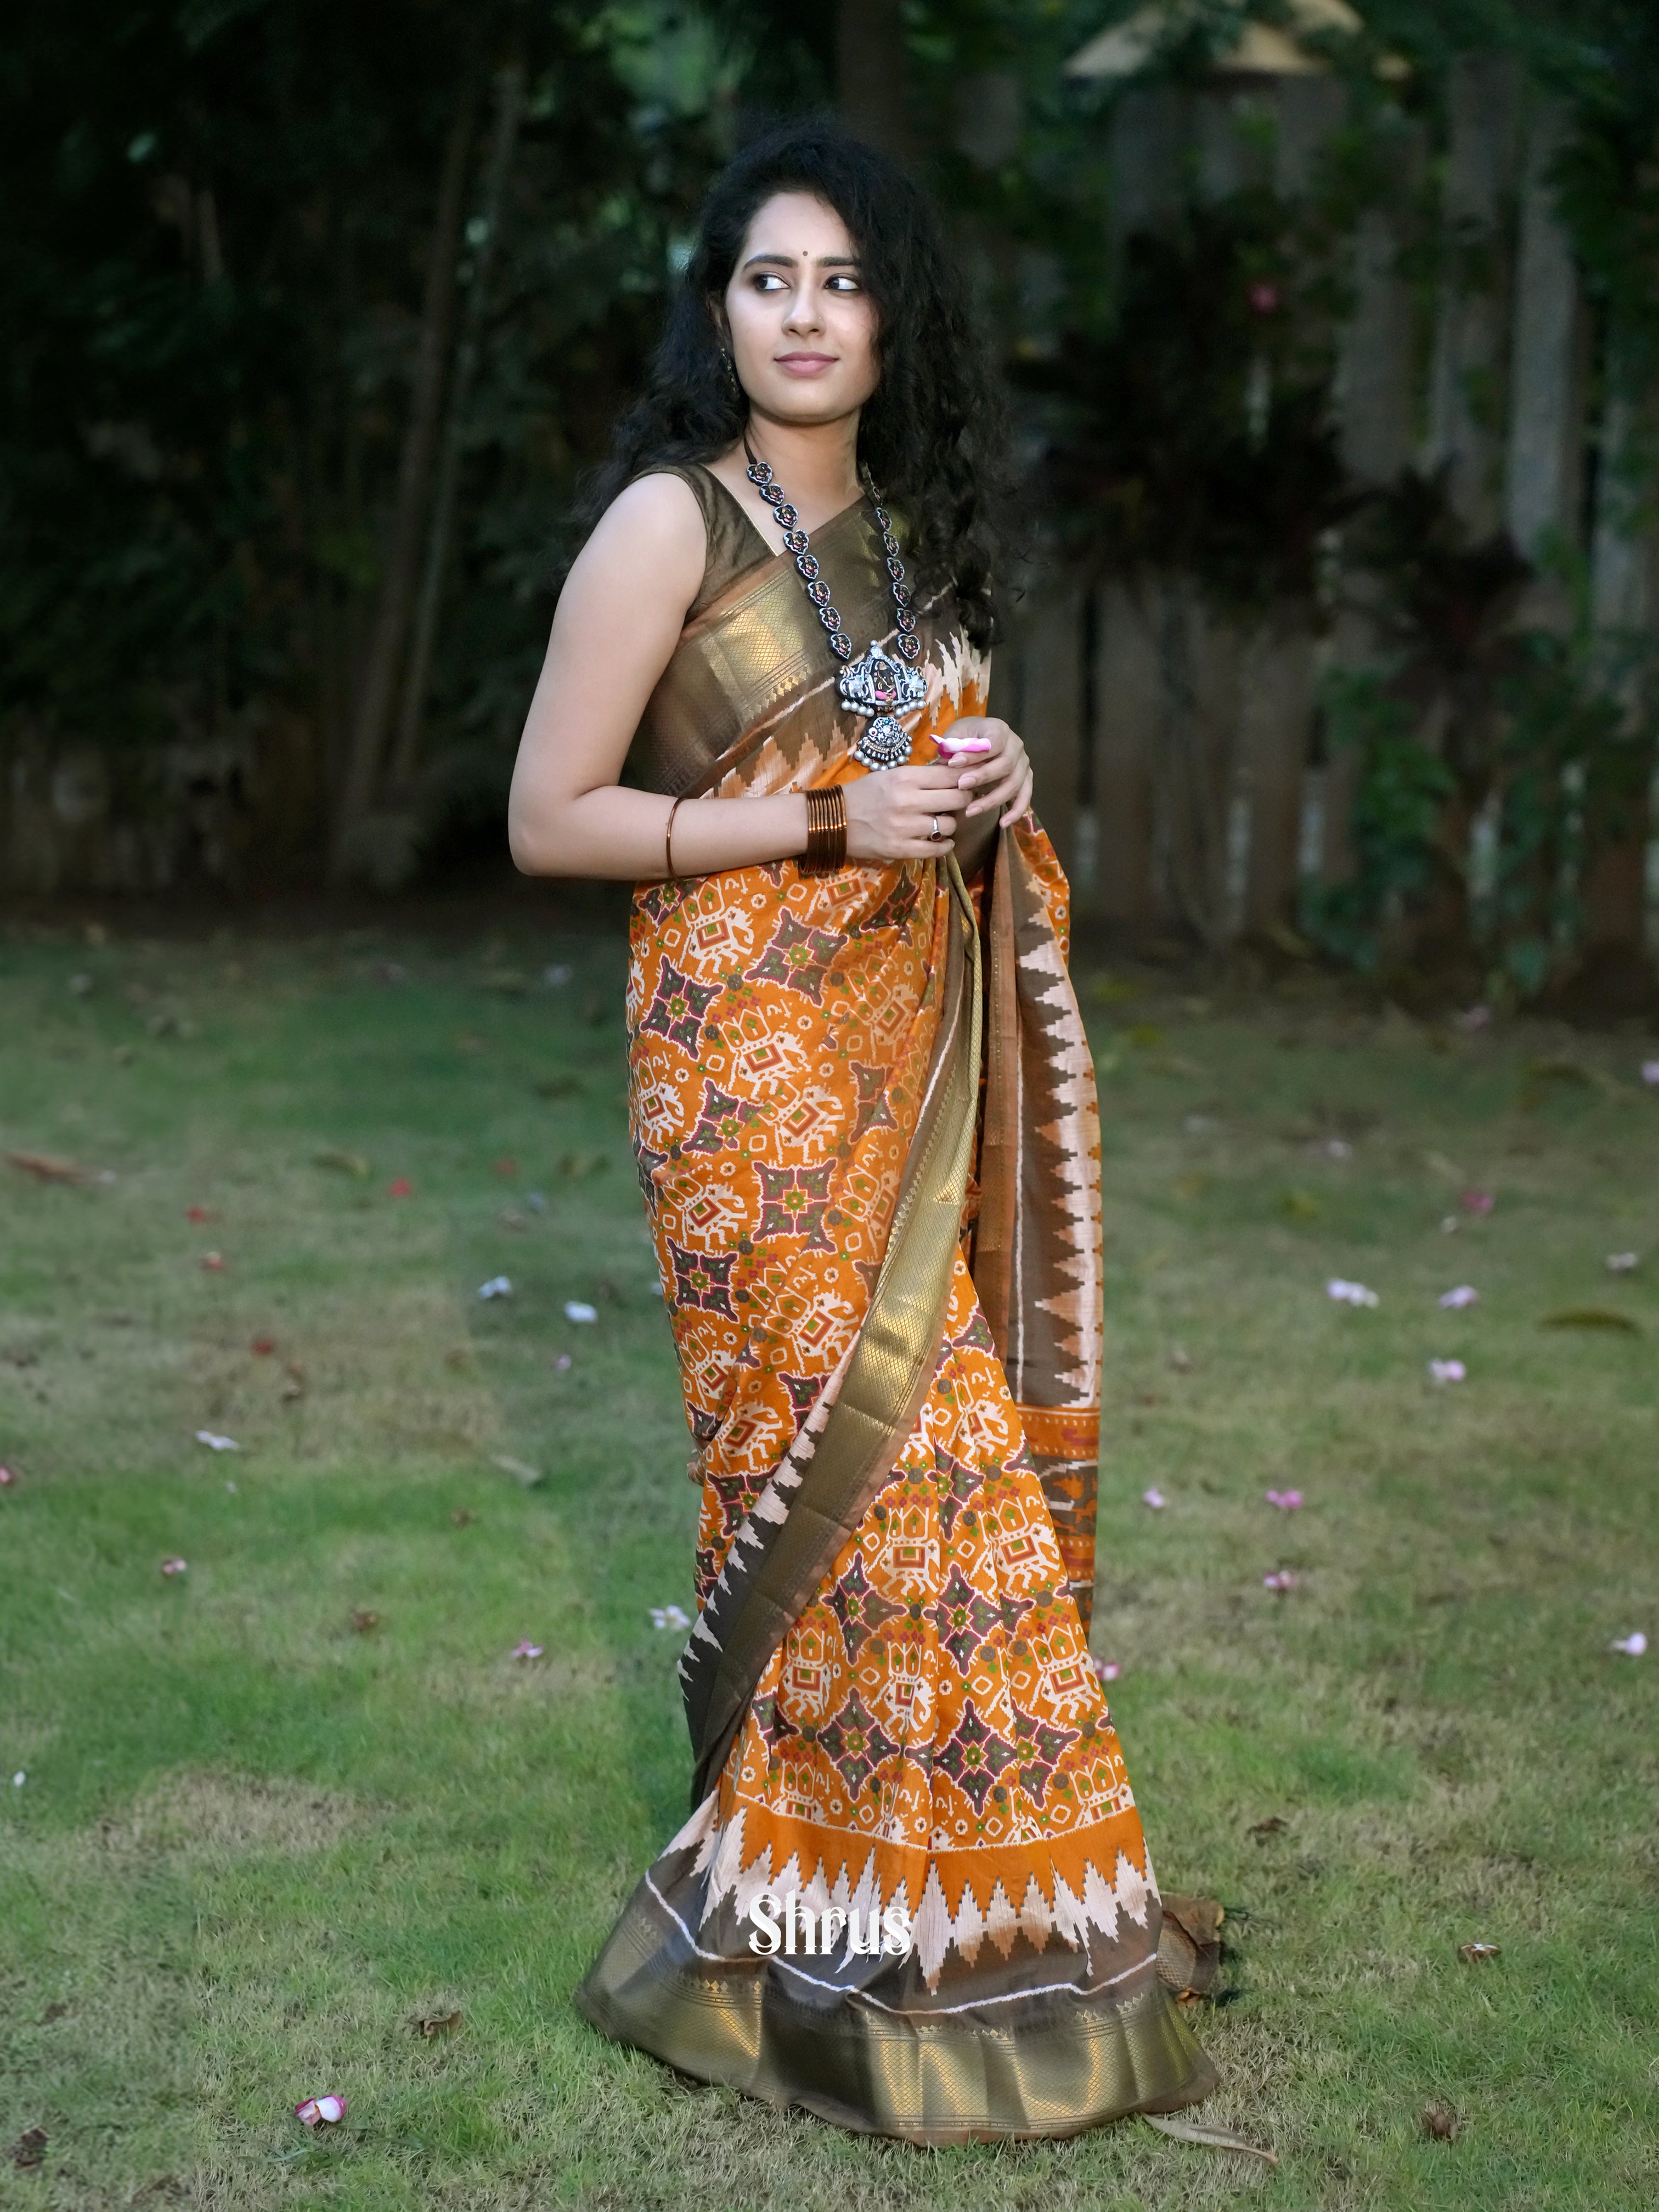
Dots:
{"x": 619, "y": 618}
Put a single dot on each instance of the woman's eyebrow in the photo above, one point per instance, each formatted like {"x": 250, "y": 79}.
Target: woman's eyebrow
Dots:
{"x": 789, "y": 260}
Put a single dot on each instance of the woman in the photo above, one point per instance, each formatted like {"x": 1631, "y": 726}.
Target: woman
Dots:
{"x": 885, "y": 1289}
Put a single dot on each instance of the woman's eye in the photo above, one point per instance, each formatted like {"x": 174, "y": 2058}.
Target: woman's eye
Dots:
{"x": 843, "y": 284}
{"x": 769, "y": 283}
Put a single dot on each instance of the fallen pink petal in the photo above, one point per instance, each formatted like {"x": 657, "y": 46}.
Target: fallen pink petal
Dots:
{"x": 320, "y": 2111}
{"x": 1477, "y": 1201}
{"x": 1155, "y": 1499}
{"x": 214, "y": 1262}
{"x": 6, "y": 1478}
{"x": 1349, "y": 1294}
{"x": 1454, "y": 1301}
{"x": 171, "y": 1567}
{"x": 1650, "y": 1071}
{"x": 561, "y": 1365}
{"x": 527, "y": 1650}
{"x": 1107, "y": 1669}
{"x": 1281, "y": 1580}
{"x": 1287, "y": 1501}
{"x": 1448, "y": 1370}
{"x": 1634, "y": 1646}
{"x": 401, "y": 1188}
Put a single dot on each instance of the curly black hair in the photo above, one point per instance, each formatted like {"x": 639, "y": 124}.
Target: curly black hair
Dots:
{"x": 933, "y": 434}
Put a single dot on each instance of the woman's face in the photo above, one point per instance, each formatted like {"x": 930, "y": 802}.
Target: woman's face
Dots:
{"x": 803, "y": 330}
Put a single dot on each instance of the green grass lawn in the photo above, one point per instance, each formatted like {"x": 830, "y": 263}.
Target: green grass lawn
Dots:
{"x": 256, "y": 1845}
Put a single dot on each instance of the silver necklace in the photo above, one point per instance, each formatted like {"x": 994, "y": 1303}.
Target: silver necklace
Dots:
{"x": 876, "y": 684}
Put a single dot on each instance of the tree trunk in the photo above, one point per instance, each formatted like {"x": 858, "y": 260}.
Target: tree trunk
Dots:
{"x": 395, "y": 600}
{"x": 870, "y": 71}
{"x": 509, "y": 111}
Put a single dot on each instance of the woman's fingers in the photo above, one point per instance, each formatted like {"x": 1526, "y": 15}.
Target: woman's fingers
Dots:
{"x": 988, "y": 801}
{"x": 1022, "y": 803}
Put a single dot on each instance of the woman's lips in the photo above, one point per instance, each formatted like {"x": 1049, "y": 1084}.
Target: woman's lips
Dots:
{"x": 804, "y": 364}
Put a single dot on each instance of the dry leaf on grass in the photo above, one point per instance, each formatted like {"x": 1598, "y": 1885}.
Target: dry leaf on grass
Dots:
{"x": 1441, "y": 2123}
{"x": 518, "y": 1468}
{"x": 30, "y": 2149}
{"x": 1189, "y": 1947}
{"x": 437, "y": 2023}
{"x": 462, "y": 1519}
{"x": 335, "y": 1156}
{"x": 1592, "y": 1317}
{"x": 1212, "y": 2138}
{"x": 1274, "y": 1825}
{"x": 364, "y": 1620}
{"x": 45, "y": 1167}
{"x": 1476, "y": 1954}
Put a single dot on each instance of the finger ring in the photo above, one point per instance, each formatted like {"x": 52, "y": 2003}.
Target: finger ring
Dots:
{"x": 932, "y": 835}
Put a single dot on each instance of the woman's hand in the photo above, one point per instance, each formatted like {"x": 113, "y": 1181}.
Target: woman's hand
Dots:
{"x": 893, "y": 815}
{"x": 990, "y": 766}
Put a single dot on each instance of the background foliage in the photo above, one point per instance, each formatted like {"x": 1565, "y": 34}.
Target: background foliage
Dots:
{"x": 220, "y": 266}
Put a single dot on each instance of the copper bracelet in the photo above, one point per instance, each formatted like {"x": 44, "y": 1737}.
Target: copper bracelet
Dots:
{"x": 826, "y": 832}
{"x": 668, "y": 838}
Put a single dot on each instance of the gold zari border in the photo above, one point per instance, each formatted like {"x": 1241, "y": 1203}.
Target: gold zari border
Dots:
{"x": 1049, "y": 2065}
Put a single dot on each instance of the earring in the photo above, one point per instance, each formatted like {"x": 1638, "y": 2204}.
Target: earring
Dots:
{"x": 731, "y": 374}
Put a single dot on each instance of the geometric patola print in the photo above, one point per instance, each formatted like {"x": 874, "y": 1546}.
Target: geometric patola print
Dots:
{"x": 678, "y": 1007}
{"x": 701, "y": 1279}
{"x": 797, "y": 958}
{"x": 793, "y": 1202}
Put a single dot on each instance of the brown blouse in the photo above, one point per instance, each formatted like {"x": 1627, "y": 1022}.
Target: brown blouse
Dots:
{"x": 735, "y": 546}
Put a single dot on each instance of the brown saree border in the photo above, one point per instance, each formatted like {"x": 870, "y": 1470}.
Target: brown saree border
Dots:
{"x": 1048, "y": 2065}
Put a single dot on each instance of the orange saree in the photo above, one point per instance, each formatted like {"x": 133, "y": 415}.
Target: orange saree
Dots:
{"x": 864, "y": 1115}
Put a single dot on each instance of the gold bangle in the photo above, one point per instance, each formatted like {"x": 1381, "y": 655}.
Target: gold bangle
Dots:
{"x": 826, "y": 832}
{"x": 668, "y": 838}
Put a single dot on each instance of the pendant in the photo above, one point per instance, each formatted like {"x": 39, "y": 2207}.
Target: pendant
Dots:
{"x": 879, "y": 685}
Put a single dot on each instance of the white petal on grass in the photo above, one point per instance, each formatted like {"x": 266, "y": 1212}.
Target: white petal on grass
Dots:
{"x": 216, "y": 1443}
{"x": 1349, "y": 1294}
{"x": 498, "y": 1286}
{"x": 1155, "y": 1499}
{"x": 1464, "y": 1295}
{"x": 1446, "y": 1370}
{"x": 1633, "y": 1646}
{"x": 578, "y": 1310}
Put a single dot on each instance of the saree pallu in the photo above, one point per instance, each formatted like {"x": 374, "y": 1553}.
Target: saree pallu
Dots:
{"x": 864, "y": 1116}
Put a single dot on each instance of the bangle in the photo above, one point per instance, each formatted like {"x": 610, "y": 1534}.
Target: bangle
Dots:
{"x": 668, "y": 838}
{"x": 826, "y": 832}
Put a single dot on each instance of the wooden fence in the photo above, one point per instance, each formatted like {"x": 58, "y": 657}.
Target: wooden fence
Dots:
{"x": 1176, "y": 745}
